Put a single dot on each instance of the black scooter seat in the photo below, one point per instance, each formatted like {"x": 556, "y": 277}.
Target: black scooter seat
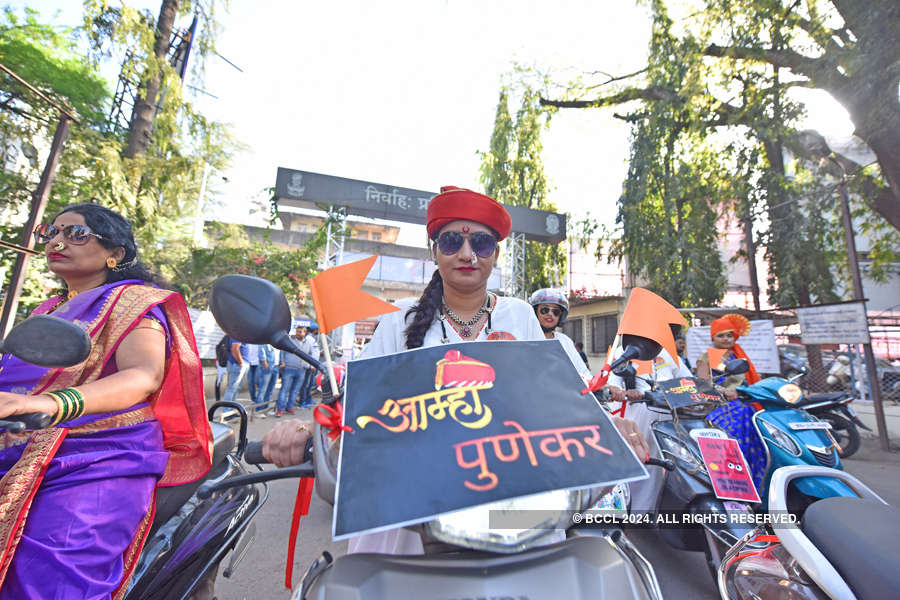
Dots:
{"x": 169, "y": 499}
{"x": 859, "y": 537}
{"x": 824, "y": 397}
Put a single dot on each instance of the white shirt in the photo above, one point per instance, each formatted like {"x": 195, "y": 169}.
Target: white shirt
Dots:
{"x": 664, "y": 367}
{"x": 569, "y": 346}
{"x": 511, "y": 315}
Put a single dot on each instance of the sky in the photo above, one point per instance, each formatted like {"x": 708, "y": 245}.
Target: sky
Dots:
{"x": 404, "y": 92}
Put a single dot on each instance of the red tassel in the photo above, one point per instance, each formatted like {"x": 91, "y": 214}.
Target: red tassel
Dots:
{"x": 332, "y": 419}
{"x": 598, "y": 381}
{"x": 301, "y": 509}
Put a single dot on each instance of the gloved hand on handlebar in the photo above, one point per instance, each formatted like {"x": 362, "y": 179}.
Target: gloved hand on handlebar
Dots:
{"x": 285, "y": 443}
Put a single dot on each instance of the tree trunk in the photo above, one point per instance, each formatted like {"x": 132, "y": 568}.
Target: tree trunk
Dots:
{"x": 139, "y": 135}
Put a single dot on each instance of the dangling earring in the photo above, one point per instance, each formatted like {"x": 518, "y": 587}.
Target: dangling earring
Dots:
{"x": 111, "y": 262}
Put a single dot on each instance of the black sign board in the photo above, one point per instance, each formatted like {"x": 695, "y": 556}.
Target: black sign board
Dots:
{"x": 459, "y": 425}
{"x": 685, "y": 391}
{"x": 381, "y": 201}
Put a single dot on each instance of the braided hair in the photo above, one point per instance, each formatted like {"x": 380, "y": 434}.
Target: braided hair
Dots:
{"x": 424, "y": 310}
{"x": 116, "y": 232}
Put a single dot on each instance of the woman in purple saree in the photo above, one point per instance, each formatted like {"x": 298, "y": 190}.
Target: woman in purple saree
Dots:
{"x": 77, "y": 499}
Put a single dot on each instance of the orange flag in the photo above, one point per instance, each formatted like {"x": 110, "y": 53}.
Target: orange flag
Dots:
{"x": 648, "y": 315}
{"x": 338, "y": 297}
{"x": 715, "y": 357}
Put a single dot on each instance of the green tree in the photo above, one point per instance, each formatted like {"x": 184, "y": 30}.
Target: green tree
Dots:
{"x": 731, "y": 65}
{"x": 512, "y": 172}
{"x": 233, "y": 252}
{"x": 161, "y": 201}
{"x": 49, "y": 59}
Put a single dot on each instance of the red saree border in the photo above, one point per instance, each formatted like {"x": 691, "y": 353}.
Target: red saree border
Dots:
{"x": 18, "y": 487}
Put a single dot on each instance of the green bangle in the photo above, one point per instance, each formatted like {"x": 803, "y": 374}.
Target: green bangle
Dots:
{"x": 70, "y": 403}
{"x": 77, "y": 401}
{"x": 62, "y": 407}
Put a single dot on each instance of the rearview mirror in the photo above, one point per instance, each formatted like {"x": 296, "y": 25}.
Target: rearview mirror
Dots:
{"x": 251, "y": 310}
{"x": 626, "y": 371}
{"x": 647, "y": 348}
{"x": 48, "y": 342}
{"x": 737, "y": 366}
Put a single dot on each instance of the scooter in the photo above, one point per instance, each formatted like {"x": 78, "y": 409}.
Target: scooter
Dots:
{"x": 843, "y": 548}
{"x": 463, "y": 558}
{"x": 793, "y": 436}
{"x": 189, "y": 536}
{"x": 834, "y": 408}
{"x": 688, "y": 488}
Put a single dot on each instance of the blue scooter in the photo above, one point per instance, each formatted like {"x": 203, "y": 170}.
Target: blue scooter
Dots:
{"x": 792, "y": 436}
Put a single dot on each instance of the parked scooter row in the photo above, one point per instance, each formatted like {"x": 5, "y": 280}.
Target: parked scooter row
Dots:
{"x": 195, "y": 529}
{"x": 467, "y": 561}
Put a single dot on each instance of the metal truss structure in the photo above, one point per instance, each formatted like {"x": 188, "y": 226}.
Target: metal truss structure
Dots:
{"x": 515, "y": 266}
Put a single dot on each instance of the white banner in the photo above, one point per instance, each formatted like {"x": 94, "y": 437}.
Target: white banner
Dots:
{"x": 835, "y": 324}
{"x": 759, "y": 345}
{"x": 206, "y": 331}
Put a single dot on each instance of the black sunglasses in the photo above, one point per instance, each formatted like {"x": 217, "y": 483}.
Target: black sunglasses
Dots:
{"x": 74, "y": 234}
{"x": 546, "y": 309}
{"x": 482, "y": 244}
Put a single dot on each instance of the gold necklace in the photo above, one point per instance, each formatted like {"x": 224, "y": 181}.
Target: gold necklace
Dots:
{"x": 72, "y": 294}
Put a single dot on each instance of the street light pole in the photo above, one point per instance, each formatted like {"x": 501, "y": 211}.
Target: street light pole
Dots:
{"x": 38, "y": 204}
{"x": 871, "y": 371}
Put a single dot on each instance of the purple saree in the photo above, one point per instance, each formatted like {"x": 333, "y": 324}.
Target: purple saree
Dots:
{"x": 77, "y": 500}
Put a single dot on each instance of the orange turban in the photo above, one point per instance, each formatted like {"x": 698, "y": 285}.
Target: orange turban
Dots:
{"x": 739, "y": 324}
{"x": 455, "y": 204}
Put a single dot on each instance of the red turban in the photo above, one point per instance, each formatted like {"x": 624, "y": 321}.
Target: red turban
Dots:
{"x": 455, "y": 204}
{"x": 733, "y": 322}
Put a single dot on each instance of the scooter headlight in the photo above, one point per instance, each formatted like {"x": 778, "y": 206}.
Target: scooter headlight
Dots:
{"x": 679, "y": 451}
{"x": 782, "y": 439}
{"x": 532, "y": 521}
{"x": 750, "y": 573}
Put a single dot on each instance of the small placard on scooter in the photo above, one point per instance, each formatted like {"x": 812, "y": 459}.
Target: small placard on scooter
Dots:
{"x": 727, "y": 469}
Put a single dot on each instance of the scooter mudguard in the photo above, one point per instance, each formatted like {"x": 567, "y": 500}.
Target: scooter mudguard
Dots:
{"x": 581, "y": 567}
{"x": 823, "y": 487}
{"x": 816, "y": 448}
{"x": 729, "y": 533}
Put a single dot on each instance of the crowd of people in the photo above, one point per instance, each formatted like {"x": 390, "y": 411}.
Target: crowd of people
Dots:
{"x": 261, "y": 367}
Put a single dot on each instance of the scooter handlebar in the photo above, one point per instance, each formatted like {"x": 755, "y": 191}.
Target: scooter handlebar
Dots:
{"x": 254, "y": 454}
{"x": 666, "y": 464}
{"x": 19, "y": 423}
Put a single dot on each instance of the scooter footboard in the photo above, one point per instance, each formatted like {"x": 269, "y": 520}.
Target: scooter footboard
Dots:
{"x": 581, "y": 567}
